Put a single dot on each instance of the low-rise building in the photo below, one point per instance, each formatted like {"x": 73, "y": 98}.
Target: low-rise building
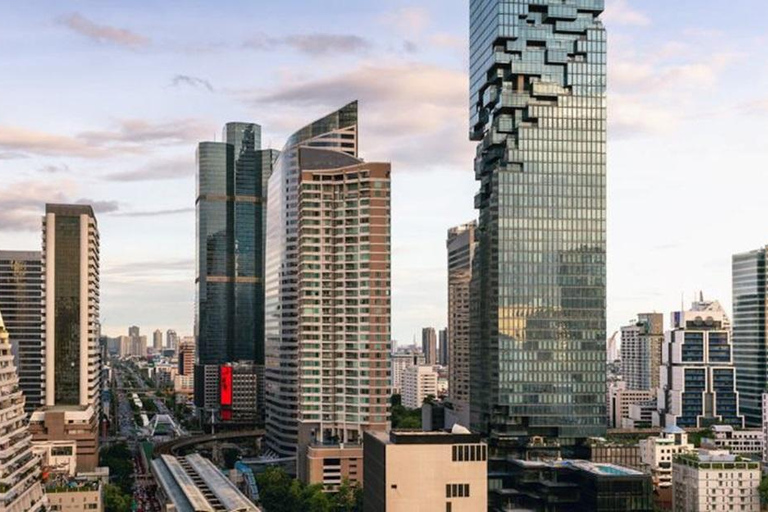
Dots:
{"x": 738, "y": 442}
{"x": 425, "y": 471}
{"x": 193, "y": 483}
{"x": 620, "y": 399}
{"x": 566, "y": 486}
{"x": 709, "y": 480}
{"x": 657, "y": 453}
{"x": 625, "y": 454}
{"x": 67, "y": 494}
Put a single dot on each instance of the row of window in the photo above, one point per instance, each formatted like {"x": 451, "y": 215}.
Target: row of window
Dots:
{"x": 470, "y": 453}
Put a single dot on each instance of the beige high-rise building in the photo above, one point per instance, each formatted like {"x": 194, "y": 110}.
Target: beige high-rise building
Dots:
{"x": 157, "y": 340}
{"x": 344, "y": 315}
{"x": 641, "y": 346}
{"x": 187, "y": 356}
{"x": 71, "y": 335}
{"x": 461, "y": 250}
{"x": 425, "y": 472}
{"x": 20, "y": 489}
{"x": 419, "y": 382}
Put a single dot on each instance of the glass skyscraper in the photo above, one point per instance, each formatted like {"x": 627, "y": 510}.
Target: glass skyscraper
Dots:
{"x": 231, "y": 204}
{"x": 21, "y": 291}
{"x": 750, "y": 352}
{"x": 538, "y": 112}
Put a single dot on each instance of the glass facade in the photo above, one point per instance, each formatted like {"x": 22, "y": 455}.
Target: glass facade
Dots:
{"x": 231, "y": 205}
{"x": 20, "y": 298}
{"x": 67, "y": 304}
{"x": 537, "y": 89}
{"x": 750, "y": 350}
{"x": 337, "y": 133}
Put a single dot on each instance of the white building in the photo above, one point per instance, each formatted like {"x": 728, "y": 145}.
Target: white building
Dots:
{"x": 657, "y": 453}
{"x": 401, "y": 361}
{"x": 419, "y": 382}
{"x": 20, "y": 489}
{"x": 697, "y": 385}
{"x": 713, "y": 480}
{"x": 738, "y": 442}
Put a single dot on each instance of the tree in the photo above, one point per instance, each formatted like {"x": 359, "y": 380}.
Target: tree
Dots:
{"x": 348, "y": 498}
{"x": 764, "y": 490}
{"x": 115, "y": 500}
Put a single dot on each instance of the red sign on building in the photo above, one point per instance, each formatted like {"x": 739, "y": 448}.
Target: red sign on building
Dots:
{"x": 225, "y": 386}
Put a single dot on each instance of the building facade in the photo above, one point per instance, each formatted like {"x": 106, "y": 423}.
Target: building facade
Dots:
{"x": 401, "y": 361}
{"x": 429, "y": 344}
{"x": 750, "y": 331}
{"x": 697, "y": 388}
{"x": 187, "y": 356}
{"x": 566, "y": 486}
{"x": 425, "y": 471}
{"x": 171, "y": 339}
{"x": 620, "y": 400}
{"x": 715, "y": 480}
{"x": 641, "y": 346}
{"x": 460, "y": 246}
{"x": 538, "y": 112}
{"x": 738, "y": 442}
{"x": 20, "y": 489}
{"x": 230, "y": 210}
{"x": 72, "y": 383}
{"x": 334, "y": 136}
{"x": 442, "y": 349}
{"x": 344, "y": 320}
{"x": 157, "y": 340}
{"x": 21, "y": 289}
{"x": 658, "y": 452}
{"x": 419, "y": 382}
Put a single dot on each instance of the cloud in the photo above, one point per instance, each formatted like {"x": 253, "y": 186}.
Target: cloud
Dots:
{"x": 156, "y": 213}
{"x": 408, "y": 111}
{"x": 128, "y": 136}
{"x": 103, "y": 33}
{"x": 20, "y": 140}
{"x": 23, "y": 203}
{"x": 54, "y": 169}
{"x": 311, "y": 44}
{"x": 620, "y": 12}
{"x": 167, "y": 170}
{"x": 133, "y": 270}
{"x": 12, "y": 156}
{"x": 140, "y": 131}
{"x": 104, "y": 207}
{"x": 408, "y": 20}
{"x": 191, "y": 81}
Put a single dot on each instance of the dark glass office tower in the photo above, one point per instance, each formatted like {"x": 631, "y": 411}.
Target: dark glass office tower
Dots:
{"x": 231, "y": 205}
{"x": 336, "y": 135}
{"x": 537, "y": 89}
{"x": 750, "y": 353}
{"x": 21, "y": 289}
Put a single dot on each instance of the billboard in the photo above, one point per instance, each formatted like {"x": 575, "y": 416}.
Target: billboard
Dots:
{"x": 225, "y": 386}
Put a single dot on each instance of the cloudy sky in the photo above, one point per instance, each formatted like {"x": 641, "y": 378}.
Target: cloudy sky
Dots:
{"x": 105, "y": 102}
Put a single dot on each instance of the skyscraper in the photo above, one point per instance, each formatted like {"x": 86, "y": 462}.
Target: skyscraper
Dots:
{"x": 697, "y": 388}
{"x": 537, "y": 95}
{"x": 328, "y": 308}
{"x": 429, "y": 344}
{"x": 231, "y": 204}
{"x": 171, "y": 339}
{"x": 157, "y": 340}
{"x": 20, "y": 489}
{"x": 71, "y": 335}
{"x": 750, "y": 332}
{"x": 460, "y": 246}
{"x": 442, "y": 350}
{"x": 641, "y": 343}
{"x": 21, "y": 288}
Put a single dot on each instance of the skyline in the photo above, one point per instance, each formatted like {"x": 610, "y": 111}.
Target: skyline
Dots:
{"x": 100, "y": 147}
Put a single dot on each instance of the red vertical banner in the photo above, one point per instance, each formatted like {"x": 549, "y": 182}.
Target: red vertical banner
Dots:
{"x": 225, "y": 385}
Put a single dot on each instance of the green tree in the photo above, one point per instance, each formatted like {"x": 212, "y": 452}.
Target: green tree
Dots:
{"x": 119, "y": 459}
{"x": 348, "y": 498}
{"x": 764, "y": 490}
{"x": 115, "y": 500}
{"x": 275, "y": 491}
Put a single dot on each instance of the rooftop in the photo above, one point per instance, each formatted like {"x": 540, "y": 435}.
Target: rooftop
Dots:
{"x": 599, "y": 469}
{"x": 421, "y": 437}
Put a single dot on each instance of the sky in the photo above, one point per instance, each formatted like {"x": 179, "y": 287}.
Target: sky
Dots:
{"x": 105, "y": 102}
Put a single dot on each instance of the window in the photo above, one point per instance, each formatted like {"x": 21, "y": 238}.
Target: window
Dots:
{"x": 457, "y": 490}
